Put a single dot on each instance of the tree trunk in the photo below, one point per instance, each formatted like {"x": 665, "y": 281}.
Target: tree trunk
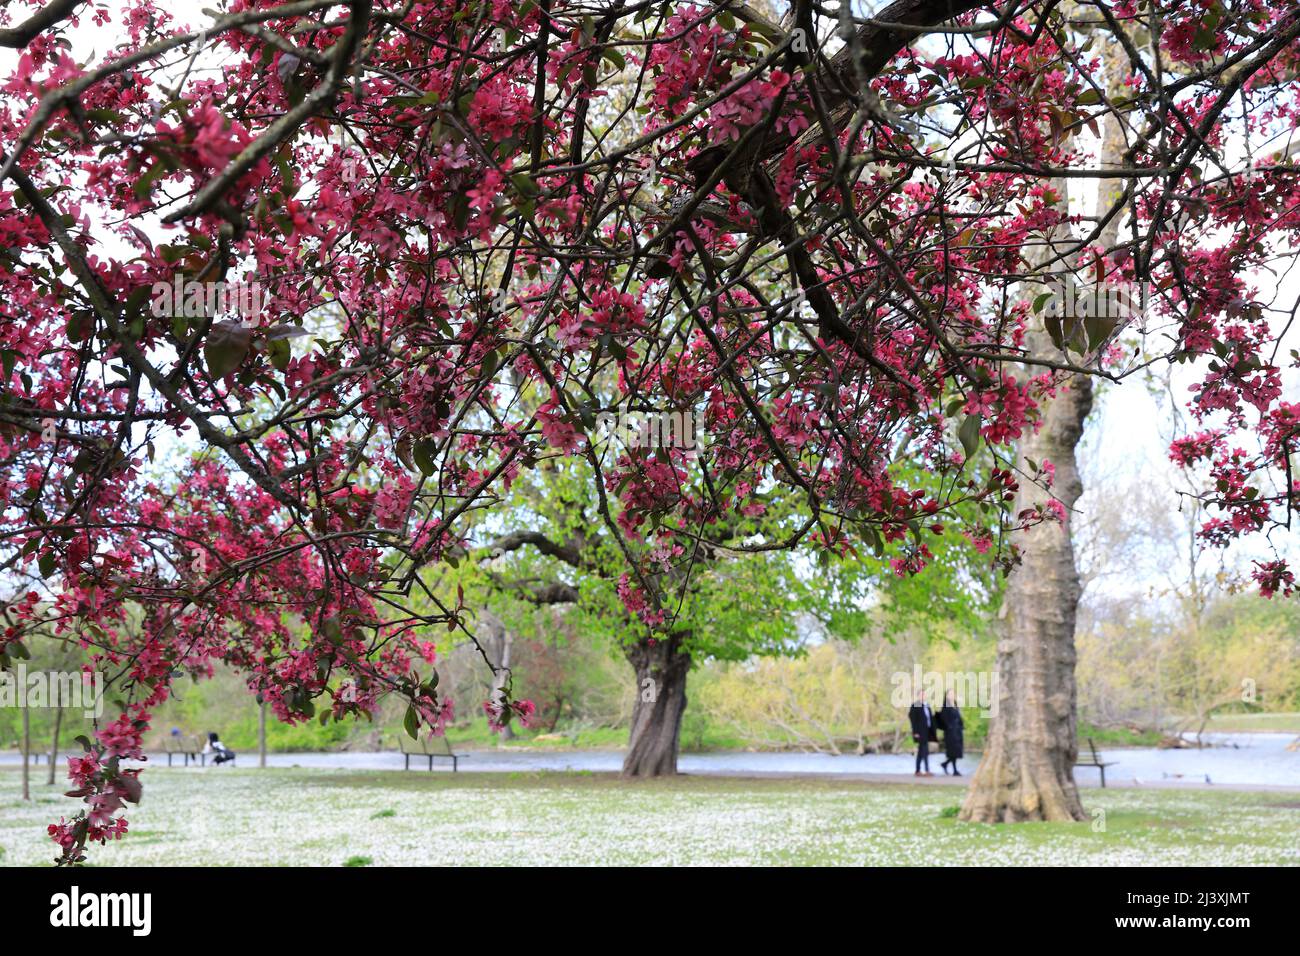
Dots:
{"x": 54, "y": 746}
{"x": 661, "y": 669}
{"x": 27, "y": 753}
{"x": 555, "y": 718}
{"x": 501, "y": 677}
{"x": 1027, "y": 769}
{"x": 261, "y": 731}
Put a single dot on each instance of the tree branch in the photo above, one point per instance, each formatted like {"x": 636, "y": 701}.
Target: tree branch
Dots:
{"x": 340, "y": 56}
{"x": 18, "y": 37}
{"x": 570, "y": 553}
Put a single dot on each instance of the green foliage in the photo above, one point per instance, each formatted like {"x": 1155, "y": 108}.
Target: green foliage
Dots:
{"x": 241, "y": 735}
{"x": 1178, "y": 669}
{"x": 732, "y": 607}
{"x": 703, "y": 731}
{"x": 955, "y": 596}
{"x": 1117, "y": 736}
{"x": 736, "y": 605}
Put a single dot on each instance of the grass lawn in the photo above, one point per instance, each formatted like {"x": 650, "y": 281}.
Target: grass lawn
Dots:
{"x": 1247, "y": 723}
{"x": 300, "y": 817}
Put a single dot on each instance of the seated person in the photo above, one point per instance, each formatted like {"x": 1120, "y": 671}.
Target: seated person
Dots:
{"x": 221, "y": 752}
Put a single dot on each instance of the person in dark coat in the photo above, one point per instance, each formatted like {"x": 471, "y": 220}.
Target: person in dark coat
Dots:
{"x": 952, "y": 725}
{"x": 923, "y": 731}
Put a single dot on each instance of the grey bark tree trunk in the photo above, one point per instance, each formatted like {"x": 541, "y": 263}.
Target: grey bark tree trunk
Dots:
{"x": 1027, "y": 769}
{"x": 503, "y": 643}
{"x": 661, "y": 670}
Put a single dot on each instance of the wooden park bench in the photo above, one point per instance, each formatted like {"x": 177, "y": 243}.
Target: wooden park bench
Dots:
{"x": 191, "y": 746}
{"x": 439, "y": 747}
{"x": 1095, "y": 761}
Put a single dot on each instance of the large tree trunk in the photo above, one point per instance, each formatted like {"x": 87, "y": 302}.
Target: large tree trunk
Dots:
{"x": 1027, "y": 769}
{"x": 661, "y": 669}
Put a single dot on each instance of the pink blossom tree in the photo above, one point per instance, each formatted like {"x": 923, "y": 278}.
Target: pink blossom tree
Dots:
{"x": 471, "y": 229}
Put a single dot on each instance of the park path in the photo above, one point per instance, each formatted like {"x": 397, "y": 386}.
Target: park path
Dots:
{"x": 1259, "y": 762}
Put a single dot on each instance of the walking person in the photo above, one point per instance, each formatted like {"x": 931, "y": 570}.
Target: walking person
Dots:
{"x": 952, "y": 725}
{"x": 923, "y": 731}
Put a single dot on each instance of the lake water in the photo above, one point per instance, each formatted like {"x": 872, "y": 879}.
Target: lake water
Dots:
{"x": 1236, "y": 759}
